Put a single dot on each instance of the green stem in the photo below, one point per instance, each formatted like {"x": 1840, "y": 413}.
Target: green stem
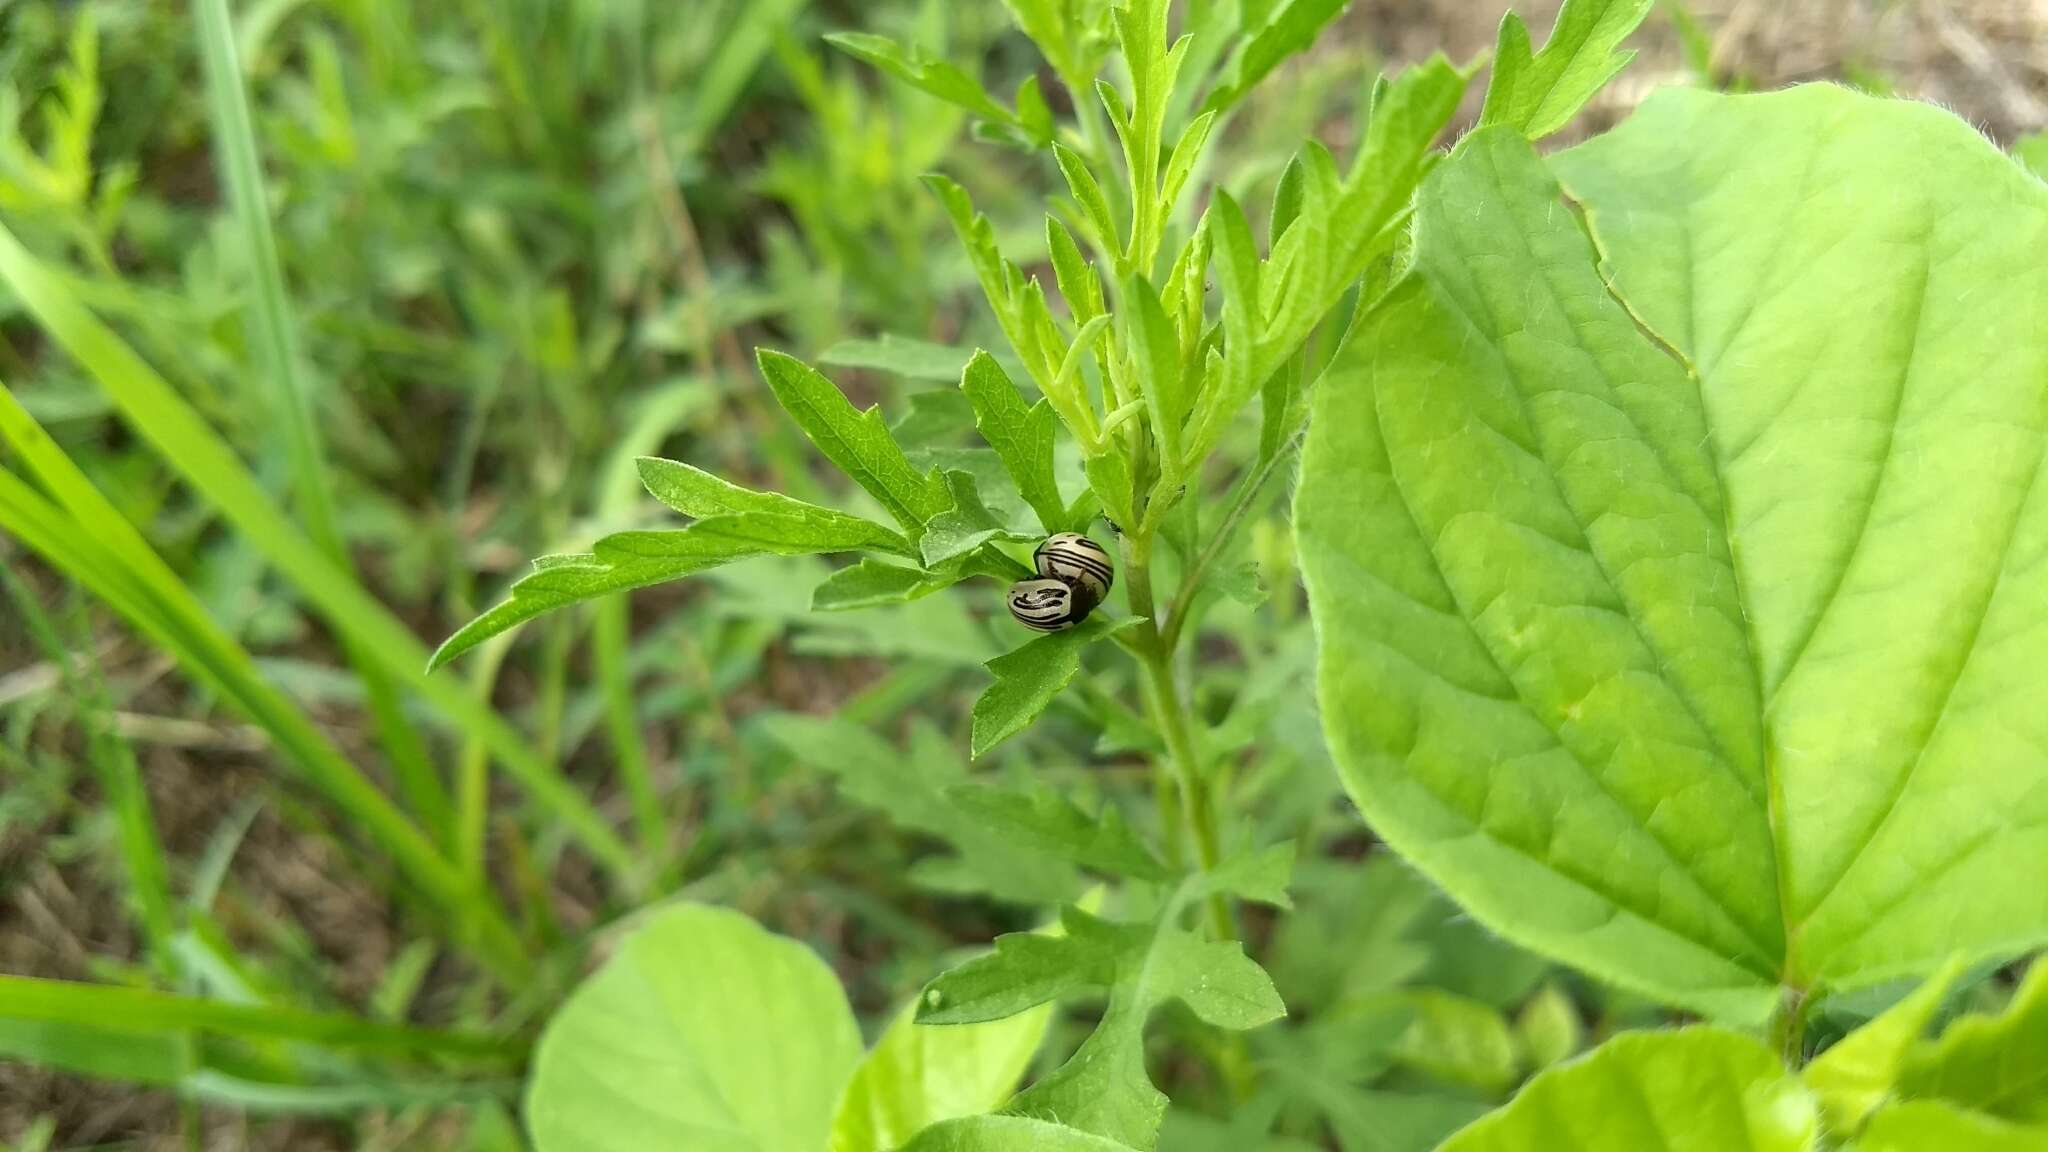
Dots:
{"x": 1788, "y": 1027}
{"x": 1169, "y": 712}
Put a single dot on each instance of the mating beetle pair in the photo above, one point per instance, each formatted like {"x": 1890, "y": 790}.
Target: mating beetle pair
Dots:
{"x": 1074, "y": 574}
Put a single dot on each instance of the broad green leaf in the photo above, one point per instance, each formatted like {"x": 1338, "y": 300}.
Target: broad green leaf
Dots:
{"x": 1396, "y": 1121}
{"x": 2032, "y": 153}
{"x": 1996, "y": 1065}
{"x": 1540, "y": 93}
{"x": 1049, "y": 822}
{"x": 1028, "y": 678}
{"x": 1856, "y": 1075}
{"x": 1289, "y": 30}
{"x": 1022, "y": 436}
{"x": 1458, "y": 1040}
{"x": 913, "y": 789}
{"x": 703, "y": 1030}
{"x": 1690, "y": 1090}
{"x": 898, "y": 355}
{"x": 694, "y": 492}
{"x": 871, "y": 583}
{"x": 858, "y": 442}
{"x": 1261, "y": 875}
{"x": 1885, "y": 513}
{"x": 918, "y": 1075}
{"x": 1104, "y": 1089}
{"x": 1661, "y": 666}
{"x": 1932, "y": 1126}
{"x": 1008, "y": 1134}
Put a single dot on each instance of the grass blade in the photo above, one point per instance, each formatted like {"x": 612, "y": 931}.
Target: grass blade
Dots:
{"x": 157, "y": 414}
{"x": 140, "y": 587}
{"x": 140, "y": 1012}
{"x": 273, "y": 334}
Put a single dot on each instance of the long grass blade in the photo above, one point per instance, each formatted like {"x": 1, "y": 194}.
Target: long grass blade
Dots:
{"x": 274, "y": 335}
{"x": 158, "y": 415}
{"x": 141, "y": 1012}
{"x": 175, "y": 622}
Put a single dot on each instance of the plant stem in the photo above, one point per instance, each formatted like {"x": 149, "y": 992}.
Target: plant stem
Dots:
{"x": 1788, "y": 1027}
{"x": 1169, "y": 712}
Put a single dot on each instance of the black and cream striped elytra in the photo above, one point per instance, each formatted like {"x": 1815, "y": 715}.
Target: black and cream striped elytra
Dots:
{"x": 1046, "y": 605}
{"x": 1079, "y": 562}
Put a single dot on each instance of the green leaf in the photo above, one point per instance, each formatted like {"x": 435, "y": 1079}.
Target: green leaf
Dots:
{"x": 1007, "y": 1134}
{"x": 1021, "y": 436}
{"x": 1690, "y": 1090}
{"x": 1549, "y": 1028}
{"x": 1261, "y": 875}
{"x": 919, "y": 1075}
{"x": 2032, "y": 153}
{"x": 1457, "y": 1040}
{"x": 1050, "y": 823}
{"x": 1856, "y": 1075}
{"x": 872, "y": 583}
{"x": 702, "y": 1030}
{"x": 1287, "y": 31}
{"x": 941, "y": 78}
{"x": 694, "y": 492}
{"x": 858, "y": 442}
{"x": 1997, "y": 1065}
{"x": 1932, "y": 1126}
{"x": 913, "y": 789}
{"x": 1103, "y": 1089}
{"x": 1155, "y": 353}
{"x": 1541, "y": 93}
{"x": 1660, "y": 667}
{"x": 1088, "y": 195}
{"x": 898, "y": 355}
{"x": 1109, "y": 477}
{"x": 1028, "y": 678}
{"x": 964, "y": 527}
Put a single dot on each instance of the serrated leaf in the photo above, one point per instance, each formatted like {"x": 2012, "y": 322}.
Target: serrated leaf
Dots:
{"x": 1592, "y": 582}
{"x": 1155, "y": 355}
{"x": 1997, "y": 1065}
{"x": 917, "y": 1076}
{"x": 1109, "y": 477}
{"x": 899, "y": 355}
{"x": 1333, "y": 231}
{"x": 1049, "y": 822}
{"x": 1028, "y": 678}
{"x": 965, "y": 526}
{"x": 1689, "y": 1090}
{"x": 929, "y": 73}
{"x": 911, "y": 789}
{"x": 1103, "y": 1089}
{"x": 1287, "y": 31}
{"x": 1541, "y": 93}
{"x": 858, "y": 442}
{"x": 702, "y": 1028}
{"x": 1088, "y": 196}
{"x": 617, "y": 563}
{"x": 872, "y": 583}
{"x": 1933, "y": 1126}
{"x": 1022, "y": 437}
{"x": 1856, "y": 1075}
{"x": 1261, "y": 876}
